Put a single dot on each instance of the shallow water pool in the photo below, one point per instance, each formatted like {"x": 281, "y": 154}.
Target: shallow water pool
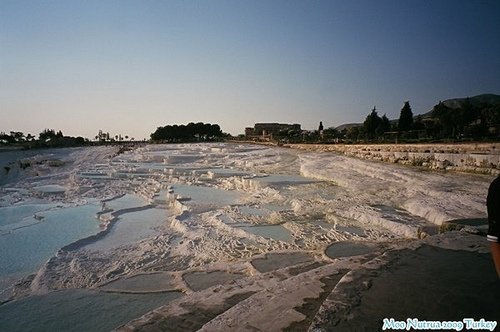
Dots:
{"x": 126, "y": 202}
{"x": 130, "y": 228}
{"x": 275, "y": 232}
{"x": 348, "y": 249}
{"x": 51, "y": 189}
{"x": 78, "y": 310}
{"x": 201, "y": 280}
{"x": 15, "y": 214}
{"x": 24, "y": 249}
{"x": 206, "y": 195}
{"x": 276, "y": 261}
{"x": 284, "y": 180}
{"x": 142, "y": 283}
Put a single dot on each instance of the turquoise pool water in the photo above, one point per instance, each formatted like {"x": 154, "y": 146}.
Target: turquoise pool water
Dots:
{"x": 24, "y": 248}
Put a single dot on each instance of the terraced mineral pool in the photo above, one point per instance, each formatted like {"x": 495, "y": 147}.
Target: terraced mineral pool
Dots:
{"x": 131, "y": 227}
{"x": 174, "y": 159}
{"x": 206, "y": 195}
{"x": 348, "y": 249}
{"x": 142, "y": 283}
{"x": 78, "y": 310}
{"x": 275, "y": 232}
{"x": 24, "y": 249}
{"x": 198, "y": 281}
{"x": 276, "y": 261}
{"x": 126, "y": 202}
{"x": 16, "y": 214}
{"x": 51, "y": 189}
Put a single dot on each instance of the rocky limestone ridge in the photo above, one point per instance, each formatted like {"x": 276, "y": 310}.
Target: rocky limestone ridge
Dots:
{"x": 482, "y": 158}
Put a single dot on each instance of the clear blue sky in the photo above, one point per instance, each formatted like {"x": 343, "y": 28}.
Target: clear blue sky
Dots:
{"x": 130, "y": 66}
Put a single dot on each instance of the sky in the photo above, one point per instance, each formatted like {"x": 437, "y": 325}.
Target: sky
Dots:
{"x": 128, "y": 67}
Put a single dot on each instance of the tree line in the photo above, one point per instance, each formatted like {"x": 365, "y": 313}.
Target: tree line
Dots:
{"x": 106, "y": 137}
{"x": 47, "y": 138}
{"x": 465, "y": 121}
{"x": 476, "y": 118}
{"x": 192, "y": 132}
{"x": 375, "y": 127}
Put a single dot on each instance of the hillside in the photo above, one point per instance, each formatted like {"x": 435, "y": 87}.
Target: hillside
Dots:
{"x": 490, "y": 99}
{"x": 347, "y": 126}
{"x": 454, "y": 103}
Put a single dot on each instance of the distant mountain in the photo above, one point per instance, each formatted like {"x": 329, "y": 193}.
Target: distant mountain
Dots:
{"x": 348, "y": 125}
{"x": 488, "y": 98}
{"x": 476, "y": 100}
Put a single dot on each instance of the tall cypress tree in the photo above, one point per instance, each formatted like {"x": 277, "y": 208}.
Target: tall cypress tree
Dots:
{"x": 405, "y": 122}
{"x": 371, "y": 123}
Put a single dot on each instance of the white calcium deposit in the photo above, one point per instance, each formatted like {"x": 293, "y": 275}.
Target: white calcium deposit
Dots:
{"x": 184, "y": 211}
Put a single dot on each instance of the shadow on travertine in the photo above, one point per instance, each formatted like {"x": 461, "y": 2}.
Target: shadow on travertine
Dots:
{"x": 436, "y": 282}
{"x": 449, "y": 277}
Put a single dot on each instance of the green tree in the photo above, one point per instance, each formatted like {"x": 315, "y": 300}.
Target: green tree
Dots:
{"x": 18, "y": 136}
{"x": 469, "y": 113}
{"x": 191, "y": 132}
{"x": 372, "y": 122}
{"x": 405, "y": 122}
{"x": 491, "y": 115}
{"x": 331, "y": 132}
{"x": 47, "y": 134}
{"x": 8, "y": 139}
{"x": 445, "y": 126}
{"x": 384, "y": 126}
{"x": 419, "y": 124}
